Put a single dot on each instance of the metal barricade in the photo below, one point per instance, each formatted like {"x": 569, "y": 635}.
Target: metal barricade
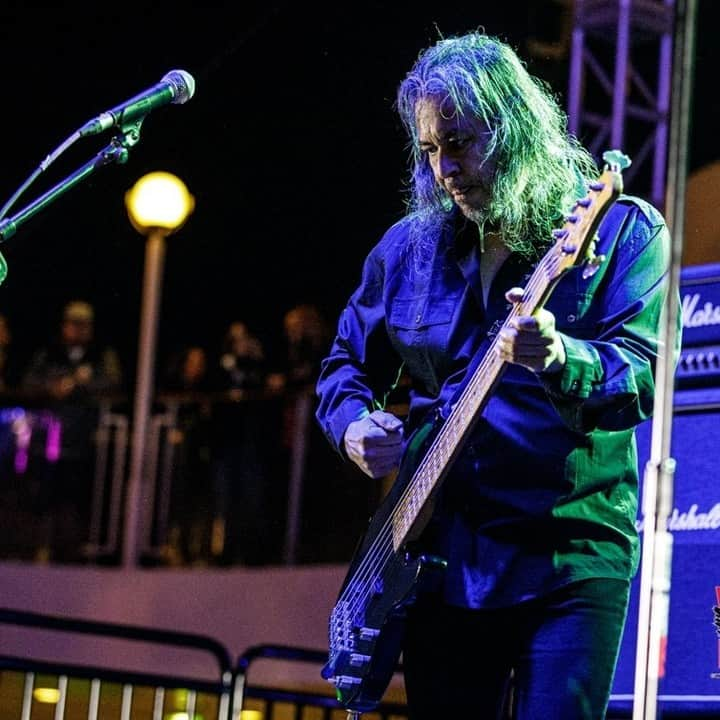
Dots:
{"x": 109, "y": 483}
{"x": 160, "y": 452}
{"x": 31, "y": 688}
{"x": 252, "y": 503}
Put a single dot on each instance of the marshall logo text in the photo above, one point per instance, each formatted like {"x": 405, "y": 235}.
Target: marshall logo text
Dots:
{"x": 691, "y": 520}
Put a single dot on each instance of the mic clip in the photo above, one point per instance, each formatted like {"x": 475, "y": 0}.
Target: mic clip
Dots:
{"x": 117, "y": 150}
{"x": 106, "y": 120}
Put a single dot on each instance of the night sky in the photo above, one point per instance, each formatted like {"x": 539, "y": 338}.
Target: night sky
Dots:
{"x": 290, "y": 146}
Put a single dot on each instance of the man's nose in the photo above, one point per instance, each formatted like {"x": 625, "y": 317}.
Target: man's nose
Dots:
{"x": 448, "y": 166}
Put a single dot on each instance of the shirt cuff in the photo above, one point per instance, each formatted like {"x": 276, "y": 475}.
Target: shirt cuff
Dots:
{"x": 581, "y": 371}
{"x": 335, "y": 428}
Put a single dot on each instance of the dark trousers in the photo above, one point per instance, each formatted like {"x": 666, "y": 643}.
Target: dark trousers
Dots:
{"x": 557, "y": 654}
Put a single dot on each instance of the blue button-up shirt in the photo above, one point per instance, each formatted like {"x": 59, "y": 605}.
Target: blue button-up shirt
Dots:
{"x": 545, "y": 489}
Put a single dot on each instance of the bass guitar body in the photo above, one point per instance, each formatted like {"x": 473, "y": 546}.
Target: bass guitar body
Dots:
{"x": 367, "y": 623}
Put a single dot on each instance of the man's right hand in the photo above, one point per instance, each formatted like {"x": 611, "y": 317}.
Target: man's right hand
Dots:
{"x": 374, "y": 443}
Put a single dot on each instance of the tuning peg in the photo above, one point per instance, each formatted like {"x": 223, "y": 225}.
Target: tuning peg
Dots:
{"x": 616, "y": 160}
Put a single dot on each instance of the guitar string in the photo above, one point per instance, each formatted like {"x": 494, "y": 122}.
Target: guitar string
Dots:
{"x": 375, "y": 558}
{"x": 579, "y": 226}
{"x": 382, "y": 548}
{"x": 386, "y": 552}
{"x": 417, "y": 479}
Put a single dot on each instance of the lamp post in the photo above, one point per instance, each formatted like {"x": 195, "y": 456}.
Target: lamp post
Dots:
{"x": 158, "y": 204}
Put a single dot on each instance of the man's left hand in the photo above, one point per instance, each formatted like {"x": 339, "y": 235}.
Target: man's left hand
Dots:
{"x": 531, "y": 340}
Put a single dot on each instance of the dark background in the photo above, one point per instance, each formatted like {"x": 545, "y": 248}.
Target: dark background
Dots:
{"x": 291, "y": 147}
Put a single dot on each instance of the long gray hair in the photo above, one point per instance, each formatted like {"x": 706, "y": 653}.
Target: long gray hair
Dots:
{"x": 541, "y": 169}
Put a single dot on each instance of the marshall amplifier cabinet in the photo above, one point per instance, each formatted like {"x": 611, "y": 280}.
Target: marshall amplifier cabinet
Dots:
{"x": 691, "y": 684}
{"x": 699, "y": 363}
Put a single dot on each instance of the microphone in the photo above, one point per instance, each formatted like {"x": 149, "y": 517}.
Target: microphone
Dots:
{"x": 176, "y": 88}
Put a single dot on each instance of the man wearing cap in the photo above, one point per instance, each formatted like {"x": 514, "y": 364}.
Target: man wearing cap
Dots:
{"x": 68, "y": 376}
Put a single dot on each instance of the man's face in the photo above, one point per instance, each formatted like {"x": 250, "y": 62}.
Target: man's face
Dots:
{"x": 77, "y": 332}
{"x": 456, "y": 148}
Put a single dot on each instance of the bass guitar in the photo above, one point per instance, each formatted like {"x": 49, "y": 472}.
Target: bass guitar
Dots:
{"x": 386, "y": 571}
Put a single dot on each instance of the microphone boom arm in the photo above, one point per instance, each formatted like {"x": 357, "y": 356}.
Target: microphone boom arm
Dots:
{"x": 115, "y": 152}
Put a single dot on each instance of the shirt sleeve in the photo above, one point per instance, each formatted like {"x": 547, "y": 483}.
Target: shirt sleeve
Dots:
{"x": 608, "y": 381}
{"x": 362, "y": 365}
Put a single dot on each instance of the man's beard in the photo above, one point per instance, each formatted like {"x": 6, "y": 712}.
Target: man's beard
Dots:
{"x": 481, "y": 212}
{"x": 488, "y": 220}
{"x": 478, "y": 215}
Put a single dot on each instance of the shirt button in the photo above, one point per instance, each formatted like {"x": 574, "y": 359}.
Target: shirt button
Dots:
{"x": 571, "y": 318}
{"x": 575, "y": 385}
{"x": 418, "y": 317}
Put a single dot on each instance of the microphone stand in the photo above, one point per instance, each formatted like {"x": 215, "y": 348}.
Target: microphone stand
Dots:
{"x": 116, "y": 152}
{"x": 654, "y": 599}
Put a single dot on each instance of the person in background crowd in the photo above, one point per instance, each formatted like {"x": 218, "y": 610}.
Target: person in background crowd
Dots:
{"x": 535, "y": 519}
{"x": 241, "y": 438}
{"x": 75, "y": 366}
{"x": 186, "y": 387}
{"x": 13, "y": 422}
{"x": 10, "y": 363}
{"x": 242, "y": 364}
{"x": 187, "y": 371}
{"x": 70, "y": 375}
{"x": 306, "y": 336}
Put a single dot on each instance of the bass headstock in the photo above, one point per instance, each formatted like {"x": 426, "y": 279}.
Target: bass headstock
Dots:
{"x": 575, "y": 240}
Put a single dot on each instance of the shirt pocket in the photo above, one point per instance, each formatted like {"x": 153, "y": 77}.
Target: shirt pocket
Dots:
{"x": 420, "y": 328}
{"x": 571, "y": 309}
{"x": 418, "y": 318}
{"x": 606, "y": 459}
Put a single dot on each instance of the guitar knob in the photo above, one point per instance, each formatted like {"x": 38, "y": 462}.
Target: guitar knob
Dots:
{"x": 346, "y": 682}
{"x": 368, "y": 633}
{"x": 358, "y": 659}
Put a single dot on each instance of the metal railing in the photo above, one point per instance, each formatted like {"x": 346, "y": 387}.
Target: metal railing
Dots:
{"x": 288, "y": 449}
{"x": 95, "y": 691}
